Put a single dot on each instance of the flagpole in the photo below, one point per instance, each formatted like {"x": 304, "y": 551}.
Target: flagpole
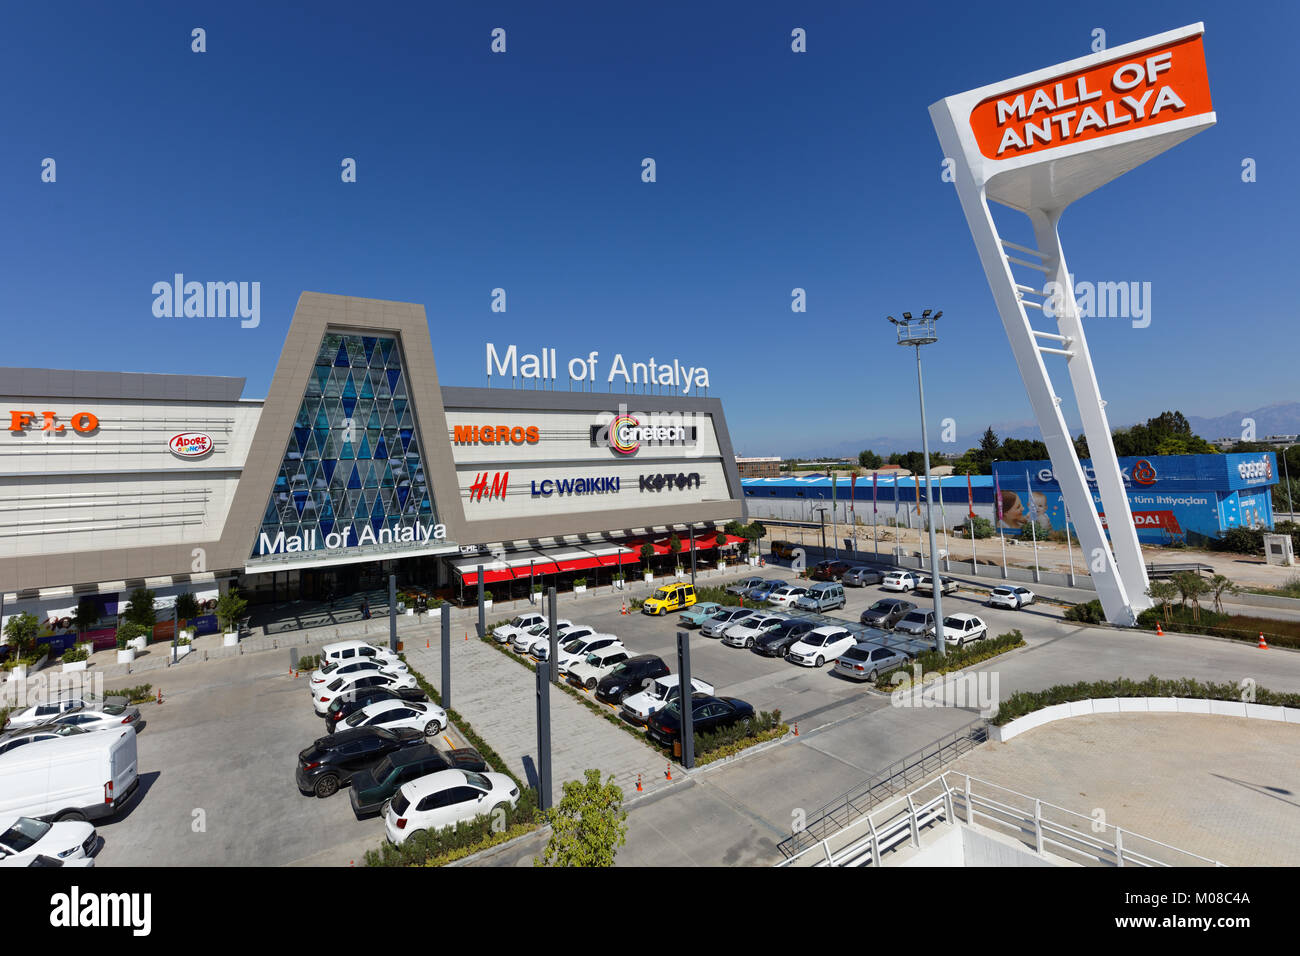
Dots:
{"x": 970, "y": 511}
{"x": 1069, "y": 545}
{"x": 1033, "y": 521}
{"x": 997, "y": 503}
{"x": 875, "y": 541}
{"x": 943, "y": 516}
{"x": 835, "y": 534}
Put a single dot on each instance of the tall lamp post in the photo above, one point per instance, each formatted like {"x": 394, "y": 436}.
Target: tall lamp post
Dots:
{"x": 918, "y": 332}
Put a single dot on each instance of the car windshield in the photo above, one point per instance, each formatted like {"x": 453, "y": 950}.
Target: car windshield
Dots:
{"x": 517, "y": 621}
{"x": 953, "y": 622}
{"x": 575, "y": 647}
{"x": 330, "y": 668}
{"x": 23, "y": 834}
{"x": 383, "y": 768}
{"x": 881, "y": 606}
{"x": 478, "y": 780}
{"x": 114, "y": 708}
{"x": 400, "y": 803}
{"x": 855, "y": 654}
{"x": 354, "y": 720}
{"x": 914, "y": 617}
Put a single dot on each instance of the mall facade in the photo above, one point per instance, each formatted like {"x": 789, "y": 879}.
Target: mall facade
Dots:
{"x": 357, "y": 464}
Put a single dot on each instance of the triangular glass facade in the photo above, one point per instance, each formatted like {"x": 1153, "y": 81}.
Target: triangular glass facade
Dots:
{"x": 353, "y": 472}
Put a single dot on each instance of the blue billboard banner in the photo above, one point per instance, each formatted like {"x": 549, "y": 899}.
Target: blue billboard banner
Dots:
{"x": 1173, "y": 498}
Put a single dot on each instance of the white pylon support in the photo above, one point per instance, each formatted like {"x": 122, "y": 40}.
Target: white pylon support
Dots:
{"x": 1036, "y": 143}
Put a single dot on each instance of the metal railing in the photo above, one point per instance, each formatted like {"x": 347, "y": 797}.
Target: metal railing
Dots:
{"x": 955, "y": 797}
{"x": 921, "y": 764}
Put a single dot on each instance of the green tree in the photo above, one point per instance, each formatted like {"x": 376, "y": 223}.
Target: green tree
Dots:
{"x": 230, "y": 609}
{"x": 20, "y": 634}
{"x": 674, "y": 544}
{"x": 647, "y": 552}
{"x": 143, "y": 609}
{"x": 1081, "y": 447}
{"x": 1163, "y": 593}
{"x": 186, "y": 607}
{"x": 983, "y": 527}
{"x": 85, "y": 616}
{"x": 989, "y": 444}
{"x": 869, "y": 460}
{"x": 1219, "y": 585}
{"x": 587, "y": 826}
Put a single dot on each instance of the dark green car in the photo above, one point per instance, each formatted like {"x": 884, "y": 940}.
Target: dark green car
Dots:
{"x": 372, "y": 788}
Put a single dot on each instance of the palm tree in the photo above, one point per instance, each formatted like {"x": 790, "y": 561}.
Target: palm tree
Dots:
{"x": 1220, "y": 585}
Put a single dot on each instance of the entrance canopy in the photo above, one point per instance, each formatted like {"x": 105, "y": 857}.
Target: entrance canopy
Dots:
{"x": 525, "y": 564}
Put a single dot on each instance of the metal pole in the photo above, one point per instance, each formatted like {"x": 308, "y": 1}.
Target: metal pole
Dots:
{"x": 1069, "y": 545}
{"x": 446, "y": 656}
{"x": 835, "y": 528}
{"x": 1290, "y": 509}
{"x": 482, "y": 611}
{"x": 392, "y": 612}
{"x": 553, "y": 659}
{"x": 543, "y": 740}
{"x": 943, "y": 517}
{"x": 941, "y": 644}
{"x": 692, "y": 531}
{"x": 875, "y": 540}
{"x": 974, "y": 554}
{"x": 1033, "y": 531}
{"x": 684, "y": 694}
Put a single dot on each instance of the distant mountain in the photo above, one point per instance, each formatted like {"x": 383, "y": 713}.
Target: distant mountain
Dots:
{"x": 1280, "y": 418}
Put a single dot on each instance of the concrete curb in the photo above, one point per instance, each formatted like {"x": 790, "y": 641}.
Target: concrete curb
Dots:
{"x": 1132, "y": 705}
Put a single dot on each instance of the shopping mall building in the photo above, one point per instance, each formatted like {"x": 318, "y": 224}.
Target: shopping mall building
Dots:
{"x": 357, "y": 464}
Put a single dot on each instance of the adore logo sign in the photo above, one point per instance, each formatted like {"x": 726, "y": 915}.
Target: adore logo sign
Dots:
{"x": 1163, "y": 83}
{"x": 190, "y": 445}
{"x": 1144, "y": 473}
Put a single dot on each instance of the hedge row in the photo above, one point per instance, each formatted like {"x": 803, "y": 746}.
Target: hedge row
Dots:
{"x": 308, "y": 662}
{"x": 955, "y": 660}
{"x": 737, "y": 737}
{"x": 437, "y": 847}
{"x": 1238, "y": 627}
{"x": 1026, "y": 702}
{"x": 136, "y": 695}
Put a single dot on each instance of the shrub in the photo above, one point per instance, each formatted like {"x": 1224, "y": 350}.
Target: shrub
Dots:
{"x": 1240, "y": 541}
{"x": 74, "y": 654}
{"x": 707, "y": 743}
{"x": 187, "y": 607}
{"x": 579, "y": 582}
{"x": 136, "y": 695}
{"x": 1240, "y": 627}
{"x": 1089, "y": 612}
{"x": 588, "y": 825}
{"x": 435, "y": 847}
{"x": 983, "y": 527}
{"x": 128, "y": 631}
{"x": 230, "y": 608}
{"x": 1026, "y": 702}
{"x": 931, "y": 663}
{"x": 309, "y": 662}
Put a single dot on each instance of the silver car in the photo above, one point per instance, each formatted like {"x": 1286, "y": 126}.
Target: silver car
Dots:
{"x": 862, "y": 576}
{"x": 714, "y": 626}
{"x": 868, "y": 661}
{"x": 918, "y": 622}
{"x": 743, "y": 585}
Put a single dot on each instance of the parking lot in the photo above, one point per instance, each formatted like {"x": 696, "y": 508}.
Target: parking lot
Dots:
{"x": 216, "y": 764}
{"x": 808, "y": 695}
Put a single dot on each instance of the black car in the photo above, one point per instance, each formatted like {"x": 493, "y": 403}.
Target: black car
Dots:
{"x": 822, "y": 571}
{"x": 372, "y": 788}
{"x": 886, "y": 612}
{"x": 331, "y": 761}
{"x": 708, "y": 714}
{"x": 354, "y": 700}
{"x": 630, "y": 677}
{"x": 778, "y": 640}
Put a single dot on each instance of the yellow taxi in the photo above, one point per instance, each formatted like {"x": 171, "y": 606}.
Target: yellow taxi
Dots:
{"x": 669, "y": 598}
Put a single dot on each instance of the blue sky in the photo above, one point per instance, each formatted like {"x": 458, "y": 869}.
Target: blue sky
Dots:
{"x": 522, "y": 171}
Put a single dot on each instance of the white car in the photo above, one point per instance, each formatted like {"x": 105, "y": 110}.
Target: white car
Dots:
{"x": 961, "y": 629}
{"x": 786, "y": 596}
{"x": 899, "y": 581}
{"x": 429, "y": 718}
{"x": 574, "y": 651}
{"x": 540, "y": 649}
{"x": 12, "y": 740}
{"x": 638, "y": 708}
{"x": 745, "y": 631}
{"x": 588, "y": 671}
{"x": 524, "y": 639}
{"x": 345, "y": 652}
{"x": 322, "y": 696}
{"x": 1012, "y": 596}
{"x": 820, "y": 645}
{"x": 327, "y": 673}
{"x": 113, "y": 714}
{"x": 444, "y": 799}
{"x": 22, "y": 838}
{"x": 44, "y": 712}
{"x": 522, "y": 622}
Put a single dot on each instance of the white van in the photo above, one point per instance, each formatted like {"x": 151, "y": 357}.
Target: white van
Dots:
{"x": 82, "y": 777}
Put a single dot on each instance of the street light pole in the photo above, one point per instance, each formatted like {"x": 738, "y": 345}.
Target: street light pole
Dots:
{"x": 916, "y": 333}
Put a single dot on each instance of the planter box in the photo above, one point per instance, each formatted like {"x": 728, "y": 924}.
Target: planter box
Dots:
{"x": 649, "y": 577}
{"x": 410, "y": 612}
{"x": 434, "y": 612}
{"x": 126, "y": 656}
{"x": 579, "y": 589}
{"x": 230, "y": 640}
{"x": 486, "y": 604}
{"x": 138, "y": 644}
{"x": 176, "y": 653}
{"x": 70, "y": 666}
{"x": 18, "y": 672}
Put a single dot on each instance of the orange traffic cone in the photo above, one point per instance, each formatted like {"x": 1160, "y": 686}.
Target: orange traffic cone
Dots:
{"x": 160, "y": 695}
{"x": 669, "y": 772}
{"x": 638, "y": 783}
{"x": 1159, "y": 630}
{"x": 796, "y": 728}
{"x": 426, "y": 643}
{"x": 1263, "y": 644}
{"x": 467, "y": 635}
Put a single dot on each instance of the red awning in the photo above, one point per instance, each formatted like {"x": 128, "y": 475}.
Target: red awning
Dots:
{"x": 582, "y": 564}
{"x": 489, "y": 577}
{"x": 613, "y": 560}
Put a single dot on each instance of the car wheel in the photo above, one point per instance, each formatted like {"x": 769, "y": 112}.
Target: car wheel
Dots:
{"x": 432, "y": 728}
{"x": 327, "y": 786}
{"x": 383, "y": 812}
{"x": 71, "y": 816}
{"x": 591, "y": 683}
{"x": 416, "y": 833}
{"x": 503, "y": 807}
{"x": 749, "y": 642}
{"x": 820, "y": 660}
{"x": 873, "y": 675}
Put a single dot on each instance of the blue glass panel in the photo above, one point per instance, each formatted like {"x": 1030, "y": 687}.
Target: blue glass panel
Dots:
{"x": 341, "y": 359}
{"x": 349, "y": 406}
{"x": 354, "y": 480}
{"x": 368, "y": 343}
{"x": 328, "y": 466}
{"x": 381, "y": 450}
{"x": 300, "y": 435}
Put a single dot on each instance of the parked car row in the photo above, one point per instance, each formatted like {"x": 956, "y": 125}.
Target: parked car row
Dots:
{"x": 379, "y": 743}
